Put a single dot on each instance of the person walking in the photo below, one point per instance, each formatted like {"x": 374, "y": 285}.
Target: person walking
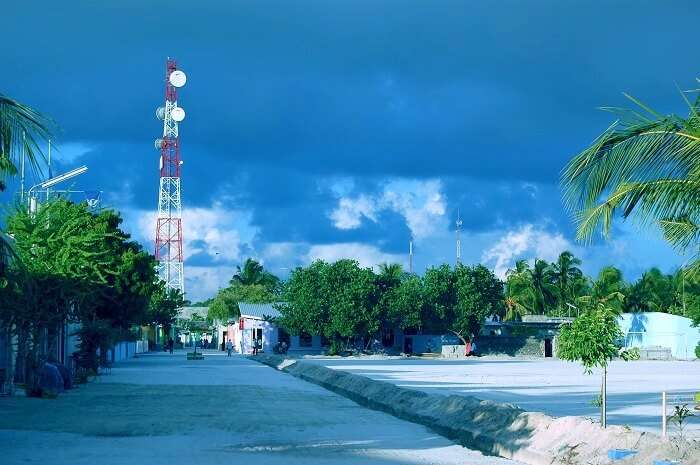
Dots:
{"x": 171, "y": 344}
{"x": 229, "y": 347}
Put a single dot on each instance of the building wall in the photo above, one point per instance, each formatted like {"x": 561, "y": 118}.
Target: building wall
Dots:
{"x": 661, "y": 329}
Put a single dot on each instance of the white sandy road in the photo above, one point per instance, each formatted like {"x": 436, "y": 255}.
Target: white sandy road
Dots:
{"x": 551, "y": 386}
{"x": 162, "y": 409}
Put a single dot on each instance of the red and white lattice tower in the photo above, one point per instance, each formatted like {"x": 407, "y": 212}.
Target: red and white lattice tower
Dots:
{"x": 169, "y": 224}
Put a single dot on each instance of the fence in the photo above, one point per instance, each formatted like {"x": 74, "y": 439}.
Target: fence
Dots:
{"x": 671, "y": 400}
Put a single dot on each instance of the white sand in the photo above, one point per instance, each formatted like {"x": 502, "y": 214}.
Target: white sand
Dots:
{"x": 163, "y": 409}
{"x": 554, "y": 387}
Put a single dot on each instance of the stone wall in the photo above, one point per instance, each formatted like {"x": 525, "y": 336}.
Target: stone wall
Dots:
{"x": 502, "y": 345}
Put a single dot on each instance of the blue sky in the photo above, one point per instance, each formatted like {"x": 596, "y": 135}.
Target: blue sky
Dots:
{"x": 321, "y": 129}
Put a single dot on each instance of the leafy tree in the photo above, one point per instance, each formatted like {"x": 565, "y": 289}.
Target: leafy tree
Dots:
{"x": 653, "y": 292}
{"x": 479, "y": 294}
{"x": 254, "y": 273}
{"x": 164, "y": 307}
{"x": 645, "y": 166}
{"x": 439, "y": 298}
{"x": 592, "y": 339}
{"x": 305, "y": 306}
{"x": 399, "y": 304}
{"x": 609, "y": 288}
{"x": 224, "y": 306}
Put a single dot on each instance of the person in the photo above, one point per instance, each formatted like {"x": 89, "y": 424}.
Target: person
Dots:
{"x": 468, "y": 348}
{"x": 171, "y": 344}
{"x": 229, "y": 347}
{"x": 283, "y": 347}
{"x": 474, "y": 347}
{"x": 255, "y": 346}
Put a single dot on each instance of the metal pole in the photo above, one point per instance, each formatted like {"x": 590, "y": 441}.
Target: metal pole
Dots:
{"x": 663, "y": 414}
{"x": 21, "y": 174}
{"x": 47, "y": 189}
{"x": 604, "y": 419}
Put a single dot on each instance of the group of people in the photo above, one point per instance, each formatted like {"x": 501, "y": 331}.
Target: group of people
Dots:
{"x": 256, "y": 344}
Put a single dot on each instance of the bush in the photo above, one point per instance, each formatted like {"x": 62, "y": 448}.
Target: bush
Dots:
{"x": 697, "y": 351}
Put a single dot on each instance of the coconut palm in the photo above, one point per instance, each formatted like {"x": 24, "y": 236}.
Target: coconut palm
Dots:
{"x": 253, "y": 272}
{"x": 567, "y": 277}
{"x": 519, "y": 299}
{"x": 645, "y": 166}
{"x": 21, "y": 129}
{"x": 545, "y": 291}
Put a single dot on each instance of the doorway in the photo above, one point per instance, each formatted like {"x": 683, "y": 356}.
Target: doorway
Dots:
{"x": 547, "y": 348}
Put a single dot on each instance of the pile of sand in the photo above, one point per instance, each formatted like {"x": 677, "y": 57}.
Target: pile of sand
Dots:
{"x": 495, "y": 428}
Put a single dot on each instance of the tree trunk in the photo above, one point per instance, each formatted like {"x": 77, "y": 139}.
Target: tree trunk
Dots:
{"x": 604, "y": 400}
{"x": 9, "y": 381}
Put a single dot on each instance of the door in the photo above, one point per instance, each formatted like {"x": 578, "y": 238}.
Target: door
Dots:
{"x": 547, "y": 347}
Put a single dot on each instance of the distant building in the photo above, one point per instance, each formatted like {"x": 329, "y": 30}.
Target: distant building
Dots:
{"x": 656, "y": 329}
{"x": 257, "y": 322}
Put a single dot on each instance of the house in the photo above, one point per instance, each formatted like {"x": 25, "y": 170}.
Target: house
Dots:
{"x": 675, "y": 334}
{"x": 258, "y": 321}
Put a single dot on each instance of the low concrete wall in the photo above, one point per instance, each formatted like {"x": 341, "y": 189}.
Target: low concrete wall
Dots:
{"x": 493, "y": 428}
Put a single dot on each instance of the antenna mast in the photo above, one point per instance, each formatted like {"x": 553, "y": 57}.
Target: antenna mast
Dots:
{"x": 459, "y": 239}
{"x": 410, "y": 255}
{"x": 168, "y": 244}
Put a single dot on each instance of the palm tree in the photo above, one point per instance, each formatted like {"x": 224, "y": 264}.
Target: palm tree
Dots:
{"x": 390, "y": 275}
{"x": 519, "y": 299}
{"x": 645, "y": 166}
{"x": 254, "y": 273}
{"x": 544, "y": 290}
{"x": 566, "y": 276}
{"x": 21, "y": 129}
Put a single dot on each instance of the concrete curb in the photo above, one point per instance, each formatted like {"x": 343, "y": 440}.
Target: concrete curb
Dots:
{"x": 490, "y": 427}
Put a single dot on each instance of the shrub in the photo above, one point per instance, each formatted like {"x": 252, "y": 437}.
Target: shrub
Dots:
{"x": 697, "y": 351}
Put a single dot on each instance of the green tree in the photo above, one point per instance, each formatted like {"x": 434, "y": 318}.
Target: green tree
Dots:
{"x": 224, "y": 306}
{"x": 400, "y": 302}
{"x": 253, "y": 272}
{"x": 304, "y": 305}
{"x": 519, "y": 291}
{"x": 592, "y": 339}
{"x": 568, "y": 279}
{"x": 439, "y": 298}
{"x": 653, "y": 292}
{"x": 479, "y": 294}
{"x": 164, "y": 307}
{"x": 645, "y": 166}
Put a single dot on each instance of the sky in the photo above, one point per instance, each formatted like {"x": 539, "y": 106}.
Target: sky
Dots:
{"x": 341, "y": 129}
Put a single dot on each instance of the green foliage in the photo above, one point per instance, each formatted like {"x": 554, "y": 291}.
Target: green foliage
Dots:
{"x": 164, "y": 306}
{"x": 479, "y": 293}
{"x": 592, "y": 339}
{"x": 253, "y": 273}
{"x": 630, "y": 354}
{"x": 697, "y": 351}
{"x": 439, "y": 298}
{"x": 645, "y": 166}
{"x": 224, "y": 306}
{"x": 680, "y": 416}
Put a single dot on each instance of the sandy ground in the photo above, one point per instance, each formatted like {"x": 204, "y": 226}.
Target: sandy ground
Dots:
{"x": 163, "y": 409}
{"x": 551, "y": 386}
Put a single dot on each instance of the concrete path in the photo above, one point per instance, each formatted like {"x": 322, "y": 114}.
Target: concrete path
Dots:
{"x": 551, "y": 386}
{"x": 160, "y": 408}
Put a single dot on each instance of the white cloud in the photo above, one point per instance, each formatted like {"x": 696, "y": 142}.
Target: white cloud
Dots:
{"x": 202, "y": 282}
{"x": 68, "y": 152}
{"x": 213, "y": 231}
{"x": 526, "y": 242}
{"x": 366, "y": 255}
{"x": 421, "y": 203}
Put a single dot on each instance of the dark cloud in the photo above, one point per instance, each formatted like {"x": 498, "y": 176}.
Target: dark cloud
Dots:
{"x": 283, "y": 96}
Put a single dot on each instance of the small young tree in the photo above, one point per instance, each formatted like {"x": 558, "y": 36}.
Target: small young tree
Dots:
{"x": 592, "y": 340}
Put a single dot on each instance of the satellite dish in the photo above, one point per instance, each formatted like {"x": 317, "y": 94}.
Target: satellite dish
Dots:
{"x": 177, "y": 114}
{"x": 178, "y": 78}
{"x": 160, "y": 113}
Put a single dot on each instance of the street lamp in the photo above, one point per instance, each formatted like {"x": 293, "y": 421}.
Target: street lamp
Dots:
{"x": 52, "y": 182}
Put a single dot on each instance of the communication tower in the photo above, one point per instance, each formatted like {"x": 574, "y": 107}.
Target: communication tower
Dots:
{"x": 168, "y": 247}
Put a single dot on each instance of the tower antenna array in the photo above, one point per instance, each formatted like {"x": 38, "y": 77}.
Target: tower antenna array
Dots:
{"x": 459, "y": 238}
{"x": 168, "y": 243}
